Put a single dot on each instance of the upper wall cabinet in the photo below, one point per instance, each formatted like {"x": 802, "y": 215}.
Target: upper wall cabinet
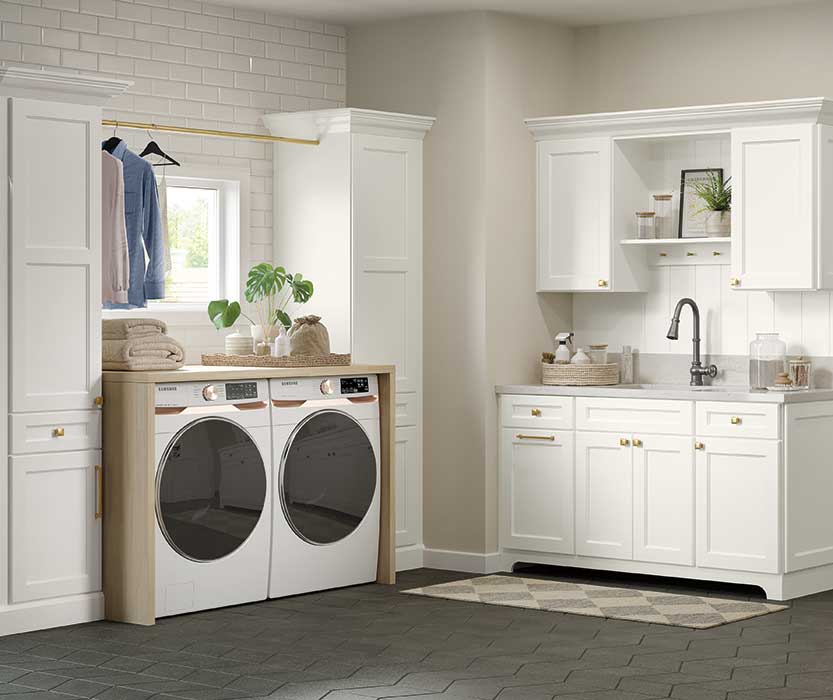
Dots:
{"x": 596, "y": 171}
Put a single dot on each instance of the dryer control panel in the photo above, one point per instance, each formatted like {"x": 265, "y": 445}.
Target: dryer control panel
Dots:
{"x": 186, "y": 394}
{"x": 310, "y": 388}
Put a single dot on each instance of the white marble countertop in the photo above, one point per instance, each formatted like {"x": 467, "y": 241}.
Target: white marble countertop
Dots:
{"x": 681, "y": 392}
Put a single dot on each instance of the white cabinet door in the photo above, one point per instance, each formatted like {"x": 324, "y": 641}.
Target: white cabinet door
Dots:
{"x": 408, "y": 486}
{"x": 537, "y": 490}
{"x": 55, "y": 231}
{"x": 604, "y": 493}
{"x": 387, "y": 255}
{"x": 773, "y": 222}
{"x": 663, "y": 499}
{"x": 574, "y": 235}
{"x": 738, "y": 504}
{"x": 55, "y": 528}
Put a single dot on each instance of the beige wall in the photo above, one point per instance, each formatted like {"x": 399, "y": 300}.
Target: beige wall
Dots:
{"x": 478, "y": 74}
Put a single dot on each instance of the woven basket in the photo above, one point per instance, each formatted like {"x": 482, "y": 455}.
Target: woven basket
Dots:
{"x": 331, "y": 360}
{"x": 580, "y": 375}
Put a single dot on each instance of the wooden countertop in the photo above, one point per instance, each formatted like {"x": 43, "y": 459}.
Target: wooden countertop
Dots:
{"x": 199, "y": 373}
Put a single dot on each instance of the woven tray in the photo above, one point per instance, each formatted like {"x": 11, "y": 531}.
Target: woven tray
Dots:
{"x": 222, "y": 360}
{"x": 580, "y": 375}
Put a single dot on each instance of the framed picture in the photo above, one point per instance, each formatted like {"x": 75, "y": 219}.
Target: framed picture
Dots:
{"x": 692, "y": 223}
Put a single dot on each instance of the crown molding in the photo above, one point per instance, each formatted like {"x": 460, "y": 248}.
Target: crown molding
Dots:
{"x": 318, "y": 124}
{"x": 65, "y": 87}
{"x": 681, "y": 119}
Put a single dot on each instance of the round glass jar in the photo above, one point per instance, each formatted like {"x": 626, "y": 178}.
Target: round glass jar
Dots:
{"x": 800, "y": 372}
{"x": 767, "y": 359}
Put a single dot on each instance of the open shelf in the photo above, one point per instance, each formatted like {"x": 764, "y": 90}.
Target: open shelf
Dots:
{"x": 675, "y": 241}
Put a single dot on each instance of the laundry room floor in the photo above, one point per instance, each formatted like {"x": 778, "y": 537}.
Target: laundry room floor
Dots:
{"x": 371, "y": 642}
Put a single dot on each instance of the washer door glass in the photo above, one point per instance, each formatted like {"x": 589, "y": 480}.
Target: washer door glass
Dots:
{"x": 211, "y": 487}
{"x": 328, "y": 477}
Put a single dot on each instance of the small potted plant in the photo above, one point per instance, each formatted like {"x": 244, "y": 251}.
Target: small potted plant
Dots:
{"x": 716, "y": 194}
{"x": 269, "y": 289}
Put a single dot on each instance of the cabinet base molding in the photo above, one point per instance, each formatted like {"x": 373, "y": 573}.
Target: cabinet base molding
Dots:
{"x": 410, "y": 557}
{"x": 776, "y": 586}
{"x": 53, "y": 612}
{"x": 469, "y": 562}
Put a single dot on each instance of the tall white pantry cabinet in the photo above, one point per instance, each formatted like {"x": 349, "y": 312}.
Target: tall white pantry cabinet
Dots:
{"x": 348, "y": 216}
{"x": 50, "y": 265}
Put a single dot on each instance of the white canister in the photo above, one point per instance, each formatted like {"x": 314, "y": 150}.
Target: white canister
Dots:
{"x": 238, "y": 344}
{"x": 598, "y": 354}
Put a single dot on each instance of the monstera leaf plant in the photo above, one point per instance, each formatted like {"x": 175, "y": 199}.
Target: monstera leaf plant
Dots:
{"x": 269, "y": 290}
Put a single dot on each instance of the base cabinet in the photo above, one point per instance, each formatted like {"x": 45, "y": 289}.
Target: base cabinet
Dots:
{"x": 408, "y": 486}
{"x": 537, "y": 490}
{"x": 738, "y": 504}
{"x": 55, "y": 525}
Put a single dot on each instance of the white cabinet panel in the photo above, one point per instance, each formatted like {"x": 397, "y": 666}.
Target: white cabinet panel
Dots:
{"x": 574, "y": 236}
{"x": 387, "y": 235}
{"x": 663, "y": 499}
{"x": 747, "y": 420}
{"x": 63, "y": 431}
{"x": 635, "y": 415}
{"x": 537, "y": 412}
{"x": 408, "y": 410}
{"x": 55, "y": 329}
{"x": 408, "y": 486}
{"x": 773, "y": 222}
{"x": 537, "y": 490}
{"x": 55, "y": 534}
{"x": 604, "y": 492}
{"x": 738, "y": 504}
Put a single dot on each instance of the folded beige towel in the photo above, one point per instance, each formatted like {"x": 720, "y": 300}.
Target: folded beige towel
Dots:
{"x": 124, "y": 328}
{"x": 144, "y": 353}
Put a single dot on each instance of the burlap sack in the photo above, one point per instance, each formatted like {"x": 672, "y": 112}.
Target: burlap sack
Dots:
{"x": 309, "y": 337}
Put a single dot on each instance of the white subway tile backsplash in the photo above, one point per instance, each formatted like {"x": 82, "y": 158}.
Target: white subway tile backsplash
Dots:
{"x": 79, "y": 60}
{"x": 250, "y": 81}
{"x": 186, "y": 37}
{"x": 299, "y": 71}
{"x": 173, "y": 54}
{"x": 201, "y": 23}
{"x": 183, "y": 108}
{"x": 233, "y": 27}
{"x": 60, "y": 38}
{"x": 187, "y": 5}
{"x": 71, "y": 5}
{"x": 169, "y": 88}
{"x": 151, "y": 69}
{"x": 265, "y": 66}
{"x": 98, "y": 44}
{"x": 132, "y": 11}
{"x": 79, "y": 23}
{"x": 230, "y": 61}
{"x": 217, "y": 10}
{"x": 247, "y": 15}
{"x": 249, "y": 47}
{"x": 134, "y": 49}
{"x": 323, "y": 41}
{"x": 41, "y": 17}
{"x": 310, "y": 56}
{"x": 22, "y": 33}
{"x": 9, "y": 51}
{"x": 101, "y": 8}
{"x": 169, "y": 18}
{"x": 230, "y": 96}
{"x": 202, "y": 93}
{"x": 221, "y": 78}
{"x": 151, "y": 32}
{"x": 116, "y": 64}
{"x": 294, "y": 37}
{"x": 44, "y": 55}
{"x": 189, "y": 74}
{"x": 10, "y": 12}
{"x": 265, "y": 32}
{"x": 201, "y": 57}
{"x": 336, "y": 29}
{"x": 115, "y": 27}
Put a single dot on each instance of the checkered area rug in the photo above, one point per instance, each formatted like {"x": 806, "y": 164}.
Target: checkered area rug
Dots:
{"x": 600, "y": 601}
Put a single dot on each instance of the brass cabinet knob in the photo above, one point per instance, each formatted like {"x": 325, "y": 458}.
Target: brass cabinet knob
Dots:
{"x": 735, "y": 420}
{"x": 699, "y": 446}
{"x": 734, "y": 282}
{"x": 536, "y": 412}
{"x": 58, "y": 432}
{"x": 624, "y": 442}
{"x": 637, "y": 442}
{"x": 663, "y": 255}
{"x": 602, "y": 283}
{"x": 99, "y": 401}
{"x": 690, "y": 254}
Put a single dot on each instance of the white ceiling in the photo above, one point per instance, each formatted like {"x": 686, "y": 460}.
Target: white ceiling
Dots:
{"x": 573, "y": 12}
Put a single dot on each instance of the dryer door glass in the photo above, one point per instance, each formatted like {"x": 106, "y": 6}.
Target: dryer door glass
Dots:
{"x": 211, "y": 487}
{"x": 328, "y": 477}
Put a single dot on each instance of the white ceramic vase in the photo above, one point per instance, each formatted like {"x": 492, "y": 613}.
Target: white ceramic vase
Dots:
{"x": 718, "y": 224}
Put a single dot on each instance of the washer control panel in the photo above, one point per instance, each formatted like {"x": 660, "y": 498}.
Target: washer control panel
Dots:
{"x": 310, "y": 388}
{"x": 185, "y": 394}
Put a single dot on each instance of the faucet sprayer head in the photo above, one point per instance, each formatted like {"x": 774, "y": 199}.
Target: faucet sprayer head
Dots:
{"x": 674, "y": 329}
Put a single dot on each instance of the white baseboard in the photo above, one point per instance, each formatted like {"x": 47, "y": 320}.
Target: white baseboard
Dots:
{"x": 53, "y": 612}
{"x": 469, "y": 562}
{"x": 409, "y": 557}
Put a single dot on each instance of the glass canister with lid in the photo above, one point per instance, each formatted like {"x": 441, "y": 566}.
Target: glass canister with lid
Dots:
{"x": 767, "y": 359}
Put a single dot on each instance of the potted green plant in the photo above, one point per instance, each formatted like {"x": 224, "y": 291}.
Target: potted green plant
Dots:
{"x": 716, "y": 194}
{"x": 269, "y": 289}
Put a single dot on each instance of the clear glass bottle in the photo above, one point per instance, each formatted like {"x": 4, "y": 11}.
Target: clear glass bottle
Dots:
{"x": 664, "y": 220}
{"x": 767, "y": 359}
{"x": 645, "y": 225}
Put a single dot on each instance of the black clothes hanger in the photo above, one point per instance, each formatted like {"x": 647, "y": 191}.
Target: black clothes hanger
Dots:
{"x": 152, "y": 149}
{"x": 110, "y": 144}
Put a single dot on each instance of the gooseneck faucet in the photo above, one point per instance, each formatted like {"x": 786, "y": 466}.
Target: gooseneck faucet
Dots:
{"x": 697, "y": 370}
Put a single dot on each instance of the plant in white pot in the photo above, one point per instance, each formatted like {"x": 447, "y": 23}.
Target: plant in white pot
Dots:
{"x": 716, "y": 194}
{"x": 269, "y": 289}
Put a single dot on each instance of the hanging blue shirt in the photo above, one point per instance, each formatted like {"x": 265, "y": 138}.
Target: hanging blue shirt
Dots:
{"x": 144, "y": 231}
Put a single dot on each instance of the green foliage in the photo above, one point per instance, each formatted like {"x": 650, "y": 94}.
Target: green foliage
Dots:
{"x": 222, "y": 313}
{"x": 188, "y": 230}
{"x": 715, "y": 192}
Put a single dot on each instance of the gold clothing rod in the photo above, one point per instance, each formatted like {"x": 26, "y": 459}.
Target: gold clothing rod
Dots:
{"x": 206, "y": 132}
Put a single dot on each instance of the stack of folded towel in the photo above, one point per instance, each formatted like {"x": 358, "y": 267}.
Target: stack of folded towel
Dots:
{"x": 137, "y": 344}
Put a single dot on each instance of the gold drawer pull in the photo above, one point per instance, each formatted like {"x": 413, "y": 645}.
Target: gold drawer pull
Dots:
{"x": 99, "y": 493}
{"x": 58, "y": 432}
{"x": 690, "y": 254}
{"x": 699, "y": 446}
{"x": 602, "y": 283}
{"x": 99, "y": 401}
{"x": 521, "y": 436}
{"x": 663, "y": 255}
{"x": 734, "y": 282}
{"x": 624, "y": 442}
{"x": 735, "y": 420}
{"x": 637, "y": 442}
{"x": 536, "y": 412}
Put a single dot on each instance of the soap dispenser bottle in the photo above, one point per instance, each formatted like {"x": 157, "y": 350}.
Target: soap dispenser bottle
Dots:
{"x": 562, "y": 351}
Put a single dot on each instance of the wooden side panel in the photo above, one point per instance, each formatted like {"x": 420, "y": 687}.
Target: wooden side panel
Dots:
{"x": 129, "y": 572}
{"x": 386, "y": 569}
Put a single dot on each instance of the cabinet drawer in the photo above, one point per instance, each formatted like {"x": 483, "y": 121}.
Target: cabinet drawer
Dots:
{"x": 748, "y": 420}
{"x": 407, "y": 409}
{"x": 635, "y": 416}
{"x": 55, "y": 432}
{"x": 545, "y": 412}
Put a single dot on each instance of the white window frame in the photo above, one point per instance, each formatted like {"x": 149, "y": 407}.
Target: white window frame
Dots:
{"x": 234, "y": 188}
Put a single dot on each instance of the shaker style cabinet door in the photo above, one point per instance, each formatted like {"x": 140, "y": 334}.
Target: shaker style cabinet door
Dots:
{"x": 537, "y": 490}
{"x": 574, "y": 233}
{"x": 663, "y": 499}
{"x": 738, "y": 495}
{"x": 55, "y": 535}
{"x": 773, "y": 221}
{"x": 408, "y": 485}
{"x": 604, "y": 495}
{"x": 55, "y": 243}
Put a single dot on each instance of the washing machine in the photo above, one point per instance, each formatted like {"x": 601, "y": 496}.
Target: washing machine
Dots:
{"x": 325, "y": 435}
{"x": 213, "y": 494}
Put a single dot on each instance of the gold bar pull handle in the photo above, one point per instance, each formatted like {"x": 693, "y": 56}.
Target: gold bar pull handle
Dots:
{"x": 735, "y": 420}
{"x": 58, "y": 432}
{"x": 99, "y": 492}
{"x": 521, "y": 436}
{"x": 536, "y": 412}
